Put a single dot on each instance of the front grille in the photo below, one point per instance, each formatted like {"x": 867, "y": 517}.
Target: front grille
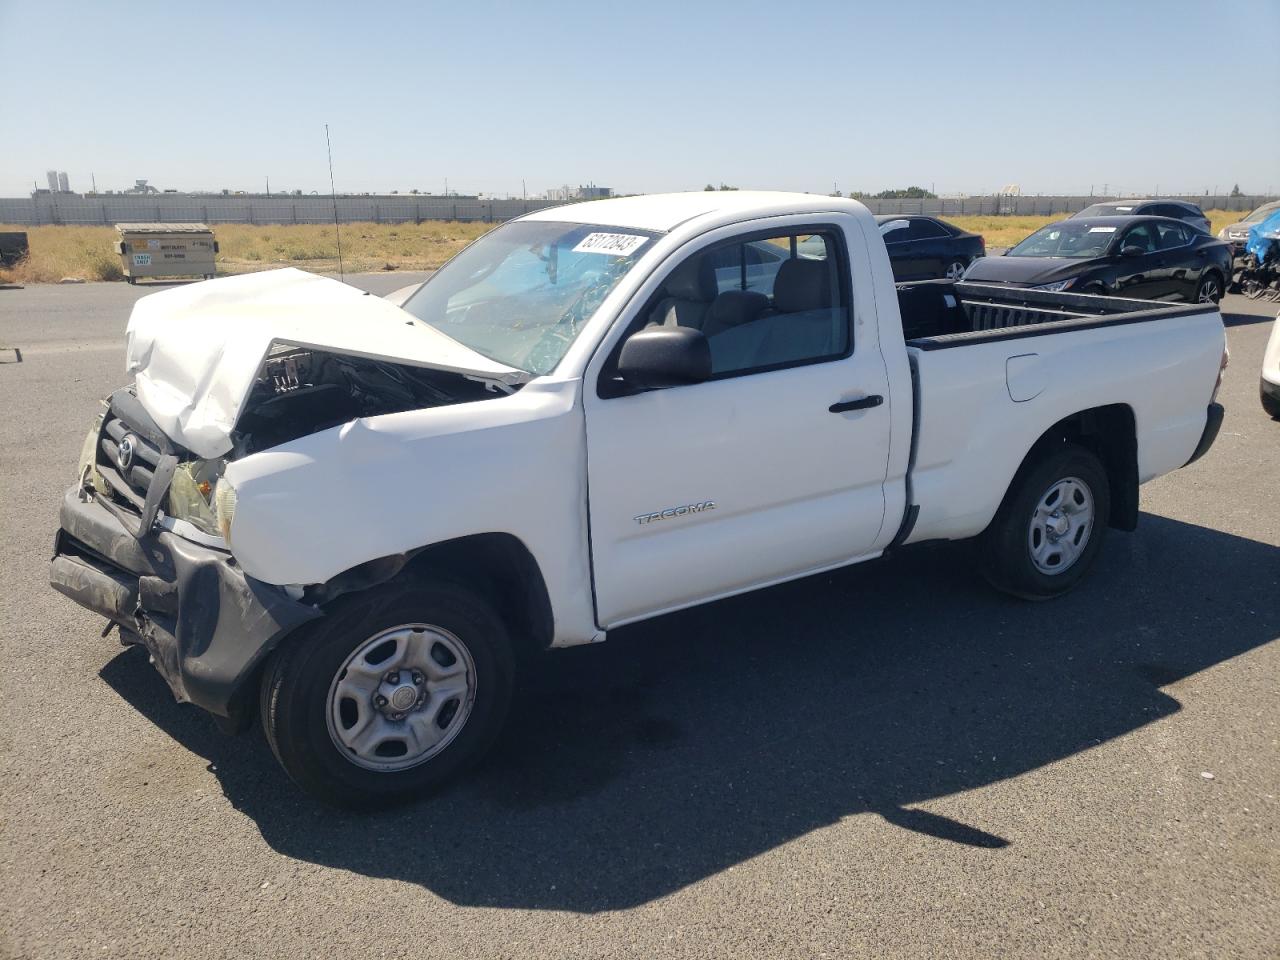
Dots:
{"x": 130, "y": 480}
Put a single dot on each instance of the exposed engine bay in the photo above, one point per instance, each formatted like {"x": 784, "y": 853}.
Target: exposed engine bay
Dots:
{"x": 299, "y": 392}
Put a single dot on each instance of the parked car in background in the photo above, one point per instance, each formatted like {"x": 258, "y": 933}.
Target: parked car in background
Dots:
{"x": 1237, "y": 234}
{"x": 1182, "y": 210}
{"x": 1270, "y": 386}
{"x": 1146, "y": 258}
{"x": 926, "y": 248}
{"x": 920, "y": 248}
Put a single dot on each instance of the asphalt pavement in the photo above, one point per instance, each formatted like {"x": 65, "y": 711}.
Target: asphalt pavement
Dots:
{"x": 887, "y": 761}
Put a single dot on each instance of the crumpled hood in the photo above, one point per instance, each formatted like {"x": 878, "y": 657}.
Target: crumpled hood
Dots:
{"x": 195, "y": 351}
{"x": 1026, "y": 270}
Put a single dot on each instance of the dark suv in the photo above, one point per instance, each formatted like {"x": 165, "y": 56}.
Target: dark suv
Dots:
{"x": 1182, "y": 210}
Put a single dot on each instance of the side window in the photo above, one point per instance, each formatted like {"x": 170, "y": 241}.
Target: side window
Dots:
{"x": 896, "y": 231}
{"x": 763, "y": 303}
{"x": 923, "y": 229}
{"x": 746, "y": 266}
{"x": 1140, "y": 236}
{"x": 1170, "y": 235}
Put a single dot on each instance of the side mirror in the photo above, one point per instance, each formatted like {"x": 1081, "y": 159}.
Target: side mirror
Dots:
{"x": 658, "y": 357}
{"x": 1132, "y": 251}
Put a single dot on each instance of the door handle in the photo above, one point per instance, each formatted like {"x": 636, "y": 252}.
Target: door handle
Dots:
{"x": 862, "y": 403}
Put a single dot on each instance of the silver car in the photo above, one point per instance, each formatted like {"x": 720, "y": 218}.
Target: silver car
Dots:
{"x": 1237, "y": 234}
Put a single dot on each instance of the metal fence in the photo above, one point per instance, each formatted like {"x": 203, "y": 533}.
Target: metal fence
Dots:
{"x": 186, "y": 209}
{"x": 54, "y": 209}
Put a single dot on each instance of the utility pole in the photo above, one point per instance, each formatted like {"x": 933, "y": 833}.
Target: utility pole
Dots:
{"x": 524, "y": 193}
{"x": 268, "y": 186}
{"x": 446, "y": 186}
{"x": 94, "y": 182}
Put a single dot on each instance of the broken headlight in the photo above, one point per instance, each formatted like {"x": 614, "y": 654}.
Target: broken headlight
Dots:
{"x": 191, "y": 494}
{"x": 225, "y": 508}
{"x": 88, "y": 474}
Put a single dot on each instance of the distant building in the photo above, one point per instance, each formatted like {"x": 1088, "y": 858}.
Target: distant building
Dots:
{"x": 64, "y": 185}
{"x": 567, "y": 193}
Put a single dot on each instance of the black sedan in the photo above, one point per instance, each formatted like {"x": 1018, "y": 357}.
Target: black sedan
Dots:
{"x": 1145, "y": 258}
{"x": 925, "y": 248}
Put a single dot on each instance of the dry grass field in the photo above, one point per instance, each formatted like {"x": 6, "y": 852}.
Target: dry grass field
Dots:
{"x": 85, "y": 252}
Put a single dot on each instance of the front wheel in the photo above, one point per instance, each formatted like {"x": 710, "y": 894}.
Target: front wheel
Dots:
{"x": 392, "y": 693}
{"x": 1270, "y": 400}
{"x": 1049, "y": 528}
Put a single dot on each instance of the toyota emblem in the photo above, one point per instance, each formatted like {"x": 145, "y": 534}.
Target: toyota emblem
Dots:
{"x": 124, "y": 453}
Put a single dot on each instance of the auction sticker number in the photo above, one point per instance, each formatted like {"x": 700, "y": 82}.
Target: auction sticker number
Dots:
{"x": 610, "y": 244}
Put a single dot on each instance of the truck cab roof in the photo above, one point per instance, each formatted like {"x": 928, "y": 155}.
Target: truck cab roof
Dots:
{"x": 665, "y": 211}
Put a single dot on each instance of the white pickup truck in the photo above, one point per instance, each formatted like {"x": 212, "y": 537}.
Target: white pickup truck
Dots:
{"x": 354, "y": 516}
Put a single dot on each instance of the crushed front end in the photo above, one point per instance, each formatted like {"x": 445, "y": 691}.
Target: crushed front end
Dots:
{"x": 206, "y": 624}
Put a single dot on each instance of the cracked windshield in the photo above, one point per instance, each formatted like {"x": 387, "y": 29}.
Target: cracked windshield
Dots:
{"x": 520, "y": 294}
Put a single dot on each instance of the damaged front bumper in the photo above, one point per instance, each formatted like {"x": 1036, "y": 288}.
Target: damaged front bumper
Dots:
{"x": 207, "y": 625}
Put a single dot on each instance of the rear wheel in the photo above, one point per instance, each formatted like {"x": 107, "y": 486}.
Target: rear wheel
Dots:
{"x": 391, "y": 694}
{"x": 1209, "y": 289}
{"x": 955, "y": 270}
{"x": 1049, "y": 528}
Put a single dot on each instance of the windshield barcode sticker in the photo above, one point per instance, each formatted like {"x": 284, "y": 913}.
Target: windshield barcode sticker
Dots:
{"x": 611, "y": 244}
{"x": 1102, "y": 229}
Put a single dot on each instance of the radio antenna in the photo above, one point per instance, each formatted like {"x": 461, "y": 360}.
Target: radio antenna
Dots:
{"x": 334, "y": 193}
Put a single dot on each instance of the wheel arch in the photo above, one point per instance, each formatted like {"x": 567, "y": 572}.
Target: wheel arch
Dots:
{"x": 498, "y": 565}
{"x": 1110, "y": 432}
{"x": 1216, "y": 271}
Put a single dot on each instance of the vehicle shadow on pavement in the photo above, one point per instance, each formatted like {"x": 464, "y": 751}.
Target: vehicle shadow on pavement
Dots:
{"x": 1243, "y": 319}
{"x": 689, "y": 744}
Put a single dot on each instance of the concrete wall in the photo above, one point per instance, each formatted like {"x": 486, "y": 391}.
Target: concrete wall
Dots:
{"x": 184, "y": 209}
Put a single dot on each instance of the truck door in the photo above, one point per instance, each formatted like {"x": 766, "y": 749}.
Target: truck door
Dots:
{"x": 773, "y": 468}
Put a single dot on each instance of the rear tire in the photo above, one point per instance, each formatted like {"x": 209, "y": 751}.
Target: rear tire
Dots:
{"x": 1050, "y": 527}
{"x": 356, "y": 672}
{"x": 954, "y": 271}
{"x": 1209, "y": 290}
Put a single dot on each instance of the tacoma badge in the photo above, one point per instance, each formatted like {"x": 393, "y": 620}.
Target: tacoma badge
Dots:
{"x": 670, "y": 512}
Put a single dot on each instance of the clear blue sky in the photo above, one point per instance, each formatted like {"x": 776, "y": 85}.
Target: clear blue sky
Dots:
{"x": 650, "y": 96}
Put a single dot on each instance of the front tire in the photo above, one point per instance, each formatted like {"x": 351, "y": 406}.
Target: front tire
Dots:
{"x": 1049, "y": 529}
{"x": 394, "y": 692}
{"x": 1270, "y": 401}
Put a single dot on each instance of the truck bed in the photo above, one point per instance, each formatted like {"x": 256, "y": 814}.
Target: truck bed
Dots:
{"x": 937, "y": 314}
{"x": 1033, "y": 358}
